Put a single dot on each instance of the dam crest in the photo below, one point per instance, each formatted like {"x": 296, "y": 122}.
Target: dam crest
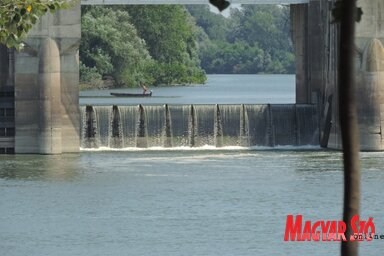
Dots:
{"x": 172, "y": 126}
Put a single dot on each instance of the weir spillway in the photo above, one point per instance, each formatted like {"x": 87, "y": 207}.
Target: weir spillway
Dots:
{"x": 146, "y": 126}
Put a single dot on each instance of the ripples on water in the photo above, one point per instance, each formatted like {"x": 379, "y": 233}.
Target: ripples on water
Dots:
{"x": 203, "y": 201}
{"x": 161, "y": 202}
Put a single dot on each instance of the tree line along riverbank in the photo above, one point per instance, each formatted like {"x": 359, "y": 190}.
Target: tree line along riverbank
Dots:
{"x": 128, "y": 46}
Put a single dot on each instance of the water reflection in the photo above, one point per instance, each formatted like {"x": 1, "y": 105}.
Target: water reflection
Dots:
{"x": 40, "y": 167}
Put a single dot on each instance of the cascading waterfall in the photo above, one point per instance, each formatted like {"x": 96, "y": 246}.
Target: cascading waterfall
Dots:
{"x": 89, "y": 131}
{"x": 156, "y": 124}
{"x": 198, "y": 125}
{"x": 306, "y": 120}
{"x": 129, "y": 120}
{"x": 284, "y": 124}
{"x": 244, "y": 127}
{"x": 232, "y": 125}
{"x": 192, "y": 125}
{"x": 168, "y": 128}
{"x": 103, "y": 119}
{"x": 218, "y": 131}
{"x": 116, "y": 136}
{"x": 204, "y": 125}
{"x": 259, "y": 125}
{"x": 181, "y": 117}
{"x": 142, "y": 134}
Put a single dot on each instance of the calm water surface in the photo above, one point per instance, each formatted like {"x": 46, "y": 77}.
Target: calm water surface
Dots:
{"x": 180, "y": 202}
{"x": 176, "y": 202}
{"x": 219, "y": 89}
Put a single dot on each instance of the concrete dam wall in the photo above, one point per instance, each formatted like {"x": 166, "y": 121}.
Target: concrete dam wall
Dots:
{"x": 199, "y": 125}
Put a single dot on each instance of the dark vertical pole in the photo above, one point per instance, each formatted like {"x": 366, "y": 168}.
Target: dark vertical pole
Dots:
{"x": 348, "y": 122}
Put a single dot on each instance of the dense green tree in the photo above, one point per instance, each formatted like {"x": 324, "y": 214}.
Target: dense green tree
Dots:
{"x": 171, "y": 36}
{"x": 214, "y": 25}
{"x": 224, "y": 57}
{"x": 18, "y": 16}
{"x": 253, "y": 39}
{"x": 266, "y": 25}
{"x": 110, "y": 46}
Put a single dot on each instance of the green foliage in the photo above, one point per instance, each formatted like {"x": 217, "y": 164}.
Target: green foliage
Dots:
{"x": 224, "y": 57}
{"x": 90, "y": 76}
{"x": 111, "y": 46}
{"x": 171, "y": 36}
{"x": 176, "y": 73}
{"x": 255, "y": 39}
{"x": 216, "y": 26}
{"x": 18, "y": 16}
{"x": 140, "y": 45}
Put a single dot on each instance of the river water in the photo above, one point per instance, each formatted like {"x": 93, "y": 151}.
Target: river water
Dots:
{"x": 204, "y": 201}
{"x": 219, "y": 89}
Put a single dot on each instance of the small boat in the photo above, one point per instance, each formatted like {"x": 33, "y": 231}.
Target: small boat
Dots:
{"x": 117, "y": 94}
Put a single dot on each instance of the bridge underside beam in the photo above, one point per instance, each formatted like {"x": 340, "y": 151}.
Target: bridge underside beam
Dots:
{"x": 154, "y": 2}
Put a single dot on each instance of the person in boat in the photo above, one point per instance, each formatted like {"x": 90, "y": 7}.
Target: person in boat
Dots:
{"x": 145, "y": 89}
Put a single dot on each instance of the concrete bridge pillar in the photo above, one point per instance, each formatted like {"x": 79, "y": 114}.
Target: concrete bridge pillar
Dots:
{"x": 299, "y": 24}
{"x": 46, "y": 86}
{"x": 49, "y": 124}
{"x": 316, "y": 42}
{"x": 370, "y": 79}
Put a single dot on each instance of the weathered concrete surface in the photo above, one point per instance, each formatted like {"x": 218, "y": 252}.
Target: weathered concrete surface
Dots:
{"x": 316, "y": 42}
{"x": 299, "y": 28}
{"x": 50, "y": 137}
{"x": 46, "y": 86}
{"x": 370, "y": 75}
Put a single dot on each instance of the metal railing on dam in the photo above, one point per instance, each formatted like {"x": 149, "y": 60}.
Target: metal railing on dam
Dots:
{"x": 168, "y": 126}
{"x": 154, "y": 2}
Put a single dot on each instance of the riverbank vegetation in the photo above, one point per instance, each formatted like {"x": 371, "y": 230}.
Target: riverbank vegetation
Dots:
{"x": 128, "y": 46}
{"x": 252, "y": 40}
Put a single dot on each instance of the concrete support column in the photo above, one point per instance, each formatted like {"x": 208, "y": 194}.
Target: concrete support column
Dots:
{"x": 369, "y": 64}
{"x": 49, "y": 98}
{"x": 315, "y": 46}
{"x": 299, "y": 24}
{"x": 46, "y": 86}
{"x": 370, "y": 74}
